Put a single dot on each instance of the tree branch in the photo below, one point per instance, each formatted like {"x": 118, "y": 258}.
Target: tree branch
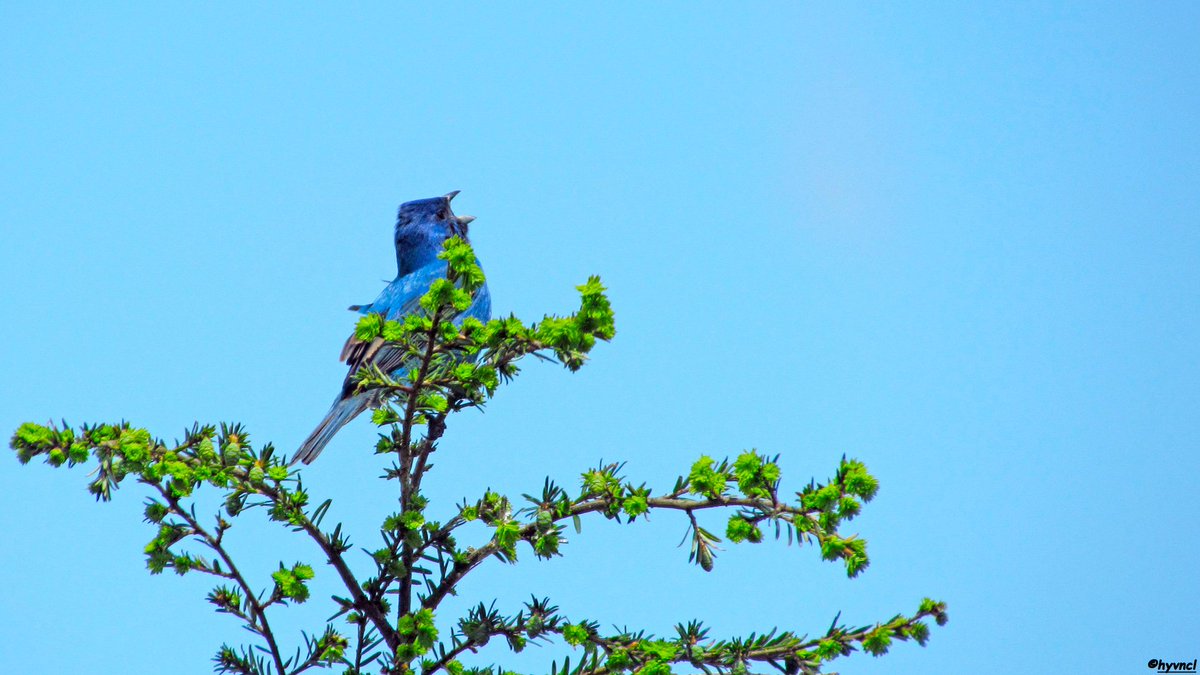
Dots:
{"x": 410, "y": 480}
{"x": 260, "y": 624}
{"x": 475, "y": 557}
{"x": 335, "y": 559}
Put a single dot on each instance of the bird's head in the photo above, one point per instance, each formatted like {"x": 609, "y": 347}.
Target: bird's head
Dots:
{"x": 433, "y": 214}
{"x": 421, "y": 227}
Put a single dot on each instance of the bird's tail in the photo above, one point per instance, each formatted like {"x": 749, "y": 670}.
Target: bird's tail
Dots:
{"x": 343, "y": 410}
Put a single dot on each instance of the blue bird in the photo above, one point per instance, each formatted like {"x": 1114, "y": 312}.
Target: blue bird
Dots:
{"x": 421, "y": 228}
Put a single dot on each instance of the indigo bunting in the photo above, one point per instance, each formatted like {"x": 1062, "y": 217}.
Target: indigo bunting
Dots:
{"x": 421, "y": 228}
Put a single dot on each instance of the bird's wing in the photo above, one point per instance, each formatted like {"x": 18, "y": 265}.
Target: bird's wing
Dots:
{"x": 357, "y": 354}
{"x": 398, "y": 299}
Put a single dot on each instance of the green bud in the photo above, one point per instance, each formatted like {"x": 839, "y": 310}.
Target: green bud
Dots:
{"x": 635, "y": 505}
{"x": 134, "y": 444}
{"x": 369, "y": 327}
{"x": 155, "y": 512}
{"x": 877, "y": 642}
{"x": 575, "y": 635}
{"x": 34, "y": 436}
{"x": 705, "y": 480}
{"x": 740, "y": 529}
{"x": 394, "y": 331}
{"x": 506, "y": 536}
{"x": 829, "y": 649}
{"x": 832, "y": 548}
{"x": 659, "y": 649}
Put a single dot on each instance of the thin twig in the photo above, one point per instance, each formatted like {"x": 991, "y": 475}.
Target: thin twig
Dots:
{"x": 263, "y": 628}
{"x": 477, "y": 556}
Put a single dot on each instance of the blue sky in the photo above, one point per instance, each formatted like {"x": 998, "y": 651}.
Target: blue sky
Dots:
{"x": 959, "y": 243}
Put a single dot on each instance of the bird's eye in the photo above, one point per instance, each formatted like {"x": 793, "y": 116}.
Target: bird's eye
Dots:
{"x": 441, "y": 215}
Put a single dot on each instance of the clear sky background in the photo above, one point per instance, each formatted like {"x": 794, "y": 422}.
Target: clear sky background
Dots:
{"x": 958, "y": 243}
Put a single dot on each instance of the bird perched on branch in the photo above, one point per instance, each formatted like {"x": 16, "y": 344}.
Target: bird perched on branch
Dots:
{"x": 421, "y": 228}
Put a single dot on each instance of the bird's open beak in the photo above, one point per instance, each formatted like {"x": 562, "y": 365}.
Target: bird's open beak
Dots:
{"x": 449, "y": 196}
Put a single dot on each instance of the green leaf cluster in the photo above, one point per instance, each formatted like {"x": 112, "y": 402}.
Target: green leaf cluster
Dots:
{"x": 419, "y": 633}
{"x": 292, "y": 583}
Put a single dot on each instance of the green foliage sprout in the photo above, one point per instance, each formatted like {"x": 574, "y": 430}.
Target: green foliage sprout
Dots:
{"x": 387, "y": 622}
